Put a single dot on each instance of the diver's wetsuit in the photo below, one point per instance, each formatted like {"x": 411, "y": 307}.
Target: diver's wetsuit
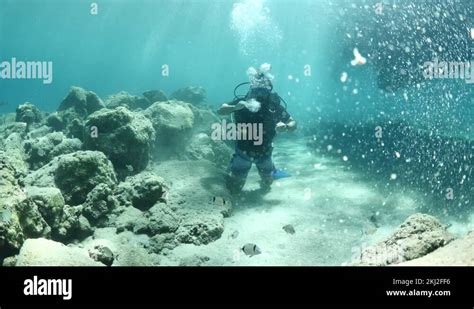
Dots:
{"x": 246, "y": 151}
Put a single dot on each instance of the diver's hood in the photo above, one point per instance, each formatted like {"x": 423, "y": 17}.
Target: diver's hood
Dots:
{"x": 260, "y": 82}
{"x": 260, "y": 78}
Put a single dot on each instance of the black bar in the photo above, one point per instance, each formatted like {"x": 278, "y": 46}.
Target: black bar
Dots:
{"x": 243, "y": 285}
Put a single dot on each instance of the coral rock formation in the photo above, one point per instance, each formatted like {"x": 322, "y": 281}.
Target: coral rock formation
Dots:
{"x": 419, "y": 235}
{"x": 124, "y": 136}
{"x": 192, "y": 94}
{"x": 75, "y": 174}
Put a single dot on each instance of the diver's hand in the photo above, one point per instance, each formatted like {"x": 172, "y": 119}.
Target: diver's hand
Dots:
{"x": 240, "y": 105}
{"x": 227, "y": 109}
{"x": 281, "y": 127}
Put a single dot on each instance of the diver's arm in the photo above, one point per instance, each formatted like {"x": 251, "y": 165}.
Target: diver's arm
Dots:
{"x": 227, "y": 109}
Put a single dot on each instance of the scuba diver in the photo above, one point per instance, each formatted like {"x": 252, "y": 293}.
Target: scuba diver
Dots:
{"x": 259, "y": 107}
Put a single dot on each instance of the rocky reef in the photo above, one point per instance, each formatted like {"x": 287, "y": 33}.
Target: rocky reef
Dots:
{"x": 123, "y": 136}
{"x": 193, "y": 95}
{"x": 114, "y": 182}
{"x": 418, "y": 236}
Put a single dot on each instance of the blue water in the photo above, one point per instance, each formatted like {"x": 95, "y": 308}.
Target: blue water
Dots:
{"x": 428, "y": 132}
{"x": 212, "y": 43}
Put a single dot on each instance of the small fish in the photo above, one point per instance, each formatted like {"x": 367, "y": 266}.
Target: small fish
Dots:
{"x": 234, "y": 234}
{"x": 374, "y": 220}
{"x": 219, "y": 201}
{"x": 289, "y": 229}
{"x": 251, "y": 249}
{"x": 3, "y": 103}
{"x": 129, "y": 168}
{"x": 5, "y": 215}
{"x": 371, "y": 230}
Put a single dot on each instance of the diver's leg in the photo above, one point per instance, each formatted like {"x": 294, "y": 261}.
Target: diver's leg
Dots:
{"x": 239, "y": 169}
{"x": 265, "y": 170}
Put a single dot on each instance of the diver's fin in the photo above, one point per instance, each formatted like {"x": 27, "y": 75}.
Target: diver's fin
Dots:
{"x": 277, "y": 174}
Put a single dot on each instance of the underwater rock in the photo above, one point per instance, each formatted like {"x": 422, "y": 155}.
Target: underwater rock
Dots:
{"x": 130, "y": 219}
{"x": 172, "y": 121}
{"x": 194, "y": 260}
{"x": 193, "y": 185}
{"x": 161, "y": 219}
{"x": 81, "y": 102}
{"x": 170, "y": 116}
{"x": 102, "y": 254}
{"x": 203, "y": 119}
{"x": 128, "y": 248}
{"x": 13, "y": 146}
{"x": 72, "y": 111}
{"x": 11, "y": 197}
{"x": 28, "y": 113}
{"x": 135, "y": 256}
{"x": 39, "y": 151}
{"x": 457, "y": 253}
{"x": 141, "y": 191}
{"x": 69, "y": 221}
{"x": 84, "y": 228}
{"x": 158, "y": 219}
{"x": 70, "y": 226}
{"x": 419, "y": 235}
{"x": 75, "y": 129}
{"x": 55, "y": 122}
{"x": 11, "y": 233}
{"x": 9, "y": 261}
{"x": 125, "y": 137}
{"x": 75, "y": 174}
{"x": 200, "y": 228}
{"x": 44, "y": 252}
{"x": 38, "y": 132}
{"x": 124, "y": 99}
{"x": 16, "y": 127}
{"x": 203, "y": 147}
{"x": 31, "y": 221}
{"x": 192, "y": 94}
{"x": 160, "y": 242}
{"x": 155, "y": 96}
{"x": 10, "y": 174}
{"x": 99, "y": 203}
